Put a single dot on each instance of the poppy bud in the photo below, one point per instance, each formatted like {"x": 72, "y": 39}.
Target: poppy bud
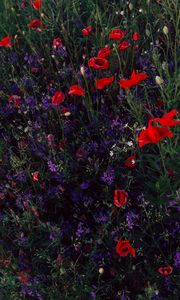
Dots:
{"x": 35, "y": 176}
{"x": 148, "y": 32}
{"x": 101, "y": 270}
{"x": 130, "y": 6}
{"x": 136, "y": 36}
{"x": 50, "y": 138}
{"x": 82, "y": 70}
{"x": 120, "y": 198}
{"x": 159, "y": 80}
{"x": 164, "y": 65}
{"x": 165, "y": 30}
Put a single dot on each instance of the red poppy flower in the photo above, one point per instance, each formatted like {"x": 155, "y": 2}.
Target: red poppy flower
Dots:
{"x": 65, "y": 111}
{"x": 98, "y": 63}
{"x": 50, "y": 139}
{"x": 160, "y": 103}
{"x": 170, "y": 172}
{"x": 58, "y": 98}
{"x": 36, "y": 4}
{"x": 123, "y": 248}
{"x": 6, "y": 42}
{"x": 76, "y": 90}
{"x": 86, "y": 31}
{"x": 36, "y": 24}
{"x": 80, "y": 153}
{"x": 61, "y": 145}
{"x": 16, "y": 100}
{"x": 101, "y": 83}
{"x": 35, "y": 176}
{"x": 167, "y": 119}
{"x": 134, "y": 80}
{"x": 136, "y": 36}
{"x": 23, "y": 276}
{"x": 120, "y": 198}
{"x": 57, "y": 42}
{"x": 117, "y": 34}
{"x": 130, "y": 162}
{"x": 153, "y": 134}
{"x": 165, "y": 271}
{"x": 104, "y": 52}
{"x": 123, "y": 45}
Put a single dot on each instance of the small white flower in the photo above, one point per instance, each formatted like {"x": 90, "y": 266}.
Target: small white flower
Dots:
{"x": 164, "y": 65}
{"x": 130, "y": 6}
{"x": 111, "y": 153}
{"x": 130, "y": 143}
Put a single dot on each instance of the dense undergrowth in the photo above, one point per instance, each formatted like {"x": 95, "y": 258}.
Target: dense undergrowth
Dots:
{"x": 89, "y": 174}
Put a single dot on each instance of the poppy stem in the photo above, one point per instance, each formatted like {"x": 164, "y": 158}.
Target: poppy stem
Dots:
{"x": 88, "y": 104}
{"x": 162, "y": 158}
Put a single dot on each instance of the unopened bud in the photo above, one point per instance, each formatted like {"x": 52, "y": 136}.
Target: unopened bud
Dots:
{"x": 130, "y": 6}
{"x": 101, "y": 271}
{"x": 159, "y": 80}
{"x": 165, "y": 30}
{"x": 148, "y": 32}
{"x": 82, "y": 70}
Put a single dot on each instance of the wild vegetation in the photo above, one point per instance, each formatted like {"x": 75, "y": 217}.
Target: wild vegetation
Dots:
{"x": 89, "y": 149}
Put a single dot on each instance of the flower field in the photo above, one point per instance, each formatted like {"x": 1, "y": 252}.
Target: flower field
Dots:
{"x": 89, "y": 149}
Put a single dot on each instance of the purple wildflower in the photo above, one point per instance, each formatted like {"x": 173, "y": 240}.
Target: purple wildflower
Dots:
{"x": 117, "y": 123}
{"x": 46, "y": 103}
{"x": 120, "y": 97}
{"x": 131, "y": 218}
{"x": 51, "y": 236}
{"x": 15, "y": 89}
{"x": 124, "y": 297}
{"x": 177, "y": 260}
{"x": 108, "y": 176}
{"x": 21, "y": 177}
{"x": 31, "y": 101}
{"x": 80, "y": 230}
{"x": 168, "y": 284}
{"x": 52, "y": 167}
{"x": 102, "y": 218}
{"x": 93, "y": 294}
{"x": 176, "y": 228}
{"x": 84, "y": 185}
